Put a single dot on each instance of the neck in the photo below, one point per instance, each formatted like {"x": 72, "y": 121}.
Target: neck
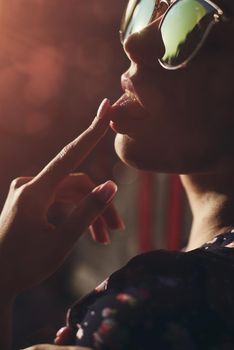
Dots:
{"x": 211, "y": 197}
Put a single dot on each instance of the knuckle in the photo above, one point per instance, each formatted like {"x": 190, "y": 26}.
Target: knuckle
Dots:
{"x": 82, "y": 182}
{"x": 87, "y": 181}
{"x": 16, "y": 183}
{"x": 66, "y": 149}
{"x": 24, "y": 192}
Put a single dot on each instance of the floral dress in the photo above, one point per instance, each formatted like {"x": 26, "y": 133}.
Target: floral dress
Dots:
{"x": 162, "y": 300}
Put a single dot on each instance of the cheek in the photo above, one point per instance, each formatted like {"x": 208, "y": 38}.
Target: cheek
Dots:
{"x": 192, "y": 117}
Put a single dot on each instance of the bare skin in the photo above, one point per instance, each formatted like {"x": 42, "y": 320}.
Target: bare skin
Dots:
{"x": 186, "y": 128}
{"x": 184, "y": 125}
{"x": 211, "y": 198}
{"x": 36, "y": 246}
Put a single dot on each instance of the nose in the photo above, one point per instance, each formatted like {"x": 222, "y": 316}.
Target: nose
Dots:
{"x": 146, "y": 46}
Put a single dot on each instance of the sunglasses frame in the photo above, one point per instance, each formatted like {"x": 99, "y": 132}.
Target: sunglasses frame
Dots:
{"x": 156, "y": 7}
{"x": 217, "y": 17}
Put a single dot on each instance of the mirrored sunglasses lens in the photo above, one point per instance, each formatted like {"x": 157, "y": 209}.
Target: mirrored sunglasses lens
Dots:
{"x": 183, "y": 29}
{"x": 137, "y": 16}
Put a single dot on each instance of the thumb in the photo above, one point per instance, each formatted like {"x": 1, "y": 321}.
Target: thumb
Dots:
{"x": 89, "y": 209}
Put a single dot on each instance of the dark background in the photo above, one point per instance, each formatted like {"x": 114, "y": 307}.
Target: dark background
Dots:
{"x": 58, "y": 60}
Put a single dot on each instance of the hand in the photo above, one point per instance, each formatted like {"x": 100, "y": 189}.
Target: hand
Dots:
{"x": 31, "y": 248}
{"x": 55, "y": 347}
{"x": 69, "y": 194}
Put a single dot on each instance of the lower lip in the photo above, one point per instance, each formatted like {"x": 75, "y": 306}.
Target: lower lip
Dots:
{"x": 127, "y": 111}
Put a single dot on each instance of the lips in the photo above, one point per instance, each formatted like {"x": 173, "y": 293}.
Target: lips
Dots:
{"x": 127, "y": 111}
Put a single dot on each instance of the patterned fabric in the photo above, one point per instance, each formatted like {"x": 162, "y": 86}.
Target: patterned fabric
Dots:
{"x": 162, "y": 300}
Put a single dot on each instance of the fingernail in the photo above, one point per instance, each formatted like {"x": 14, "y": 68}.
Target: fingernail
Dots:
{"x": 107, "y": 242}
{"x": 120, "y": 224}
{"x": 103, "y": 108}
{"x": 102, "y": 237}
{"x": 106, "y": 238}
{"x": 106, "y": 192}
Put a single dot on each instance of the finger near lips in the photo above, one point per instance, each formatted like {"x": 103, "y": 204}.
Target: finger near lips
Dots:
{"x": 72, "y": 155}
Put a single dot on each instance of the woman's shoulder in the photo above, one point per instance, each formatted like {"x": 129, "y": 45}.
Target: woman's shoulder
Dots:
{"x": 217, "y": 254}
{"x": 179, "y": 288}
{"x": 153, "y": 267}
{"x": 159, "y": 270}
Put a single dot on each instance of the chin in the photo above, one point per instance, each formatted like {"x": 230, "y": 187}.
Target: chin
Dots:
{"x": 122, "y": 146}
{"x": 149, "y": 158}
{"x": 133, "y": 155}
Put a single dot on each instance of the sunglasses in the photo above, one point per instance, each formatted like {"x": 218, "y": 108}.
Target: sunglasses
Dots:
{"x": 184, "y": 26}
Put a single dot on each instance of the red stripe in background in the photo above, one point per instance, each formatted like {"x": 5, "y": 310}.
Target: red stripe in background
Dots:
{"x": 145, "y": 211}
{"x": 174, "y": 213}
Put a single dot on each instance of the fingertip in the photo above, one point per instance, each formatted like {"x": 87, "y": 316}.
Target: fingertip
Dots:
{"x": 120, "y": 225}
{"x": 103, "y": 108}
{"x": 99, "y": 232}
{"x": 105, "y": 192}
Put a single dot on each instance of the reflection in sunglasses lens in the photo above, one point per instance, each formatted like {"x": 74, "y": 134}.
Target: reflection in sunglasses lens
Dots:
{"x": 183, "y": 29}
{"x": 137, "y": 16}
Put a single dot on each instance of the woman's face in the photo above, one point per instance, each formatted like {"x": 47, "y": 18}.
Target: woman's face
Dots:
{"x": 176, "y": 121}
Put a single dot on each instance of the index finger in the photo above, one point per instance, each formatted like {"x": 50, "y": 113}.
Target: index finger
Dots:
{"x": 71, "y": 156}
